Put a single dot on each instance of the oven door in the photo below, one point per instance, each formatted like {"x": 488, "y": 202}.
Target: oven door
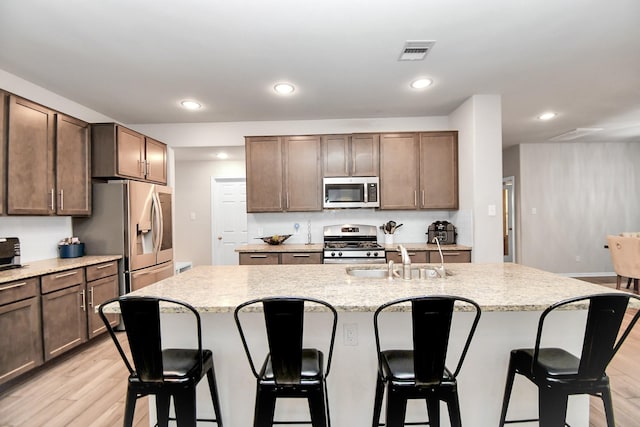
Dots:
{"x": 348, "y": 260}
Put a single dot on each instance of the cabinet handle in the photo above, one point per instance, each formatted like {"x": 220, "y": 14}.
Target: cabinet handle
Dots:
{"x": 301, "y": 255}
{"x": 61, "y": 199}
{"x": 422, "y": 198}
{"x": 100, "y": 267}
{"x": 415, "y": 198}
{"x": 257, "y": 256}
{"x": 287, "y": 200}
{"x": 141, "y": 167}
{"x": 450, "y": 253}
{"x": 280, "y": 200}
{"x": 82, "y": 305}
{"x": 91, "y": 297}
{"x": 147, "y": 168}
{"x": 53, "y": 195}
{"x": 59, "y": 276}
{"x": 16, "y": 285}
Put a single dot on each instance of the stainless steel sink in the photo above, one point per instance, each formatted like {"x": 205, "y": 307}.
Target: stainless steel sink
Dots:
{"x": 383, "y": 273}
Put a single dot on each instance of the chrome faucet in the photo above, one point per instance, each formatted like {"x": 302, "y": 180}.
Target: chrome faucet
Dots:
{"x": 440, "y": 270}
{"x": 406, "y": 263}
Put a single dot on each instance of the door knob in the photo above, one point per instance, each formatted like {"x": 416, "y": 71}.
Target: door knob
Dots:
{"x": 219, "y": 237}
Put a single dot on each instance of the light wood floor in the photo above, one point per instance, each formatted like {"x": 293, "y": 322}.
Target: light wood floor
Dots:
{"x": 87, "y": 388}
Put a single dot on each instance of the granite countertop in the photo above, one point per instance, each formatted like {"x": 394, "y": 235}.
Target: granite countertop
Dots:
{"x": 318, "y": 247}
{"x": 46, "y": 266}
{"x": 496, "y": 287}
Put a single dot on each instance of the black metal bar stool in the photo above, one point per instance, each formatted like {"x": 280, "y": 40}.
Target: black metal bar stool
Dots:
{"x": 289, "y": 369}
{"x": 164, "y": 373}
{"x": 421, "y": 372}
{"x": 558, "y": 373}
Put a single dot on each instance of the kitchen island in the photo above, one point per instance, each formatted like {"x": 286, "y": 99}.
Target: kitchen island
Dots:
{"x": 511, "y": 297}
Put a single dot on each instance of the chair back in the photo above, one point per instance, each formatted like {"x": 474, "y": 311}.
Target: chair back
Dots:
{"x": 625, "y": 255}
{"x": 141, "y": 318}
{"x": 431, "y": 319}
{"x": 284, "y": 324}
{"x": 602, "y": 335}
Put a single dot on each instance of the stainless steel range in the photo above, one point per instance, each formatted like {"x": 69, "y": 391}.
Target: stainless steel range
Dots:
{"x": 352, "y": 244}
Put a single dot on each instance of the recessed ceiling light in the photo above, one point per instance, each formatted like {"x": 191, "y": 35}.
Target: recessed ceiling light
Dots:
{"x": 284, "y": 88}
{"x": 547, "y": 116}
{"x": 222, "y": 155}
{"x": 421, "y": 83}
{"x": 190, "y": 104}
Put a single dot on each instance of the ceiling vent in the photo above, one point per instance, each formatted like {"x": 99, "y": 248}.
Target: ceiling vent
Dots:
{"x": 575, "y": 134}
{"x": 416, "y": 50}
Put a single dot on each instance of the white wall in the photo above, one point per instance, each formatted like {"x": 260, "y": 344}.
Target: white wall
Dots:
{"x": 580, "y": 192}
{"x": 479, "y": 123}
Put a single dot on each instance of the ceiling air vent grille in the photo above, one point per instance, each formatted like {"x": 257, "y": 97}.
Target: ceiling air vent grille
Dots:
{"x": 575, "y": 134}
{"x": 416, "y": 50}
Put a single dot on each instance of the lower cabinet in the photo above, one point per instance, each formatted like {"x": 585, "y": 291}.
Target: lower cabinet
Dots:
{"x": 21, "y": 337}
{"x": 102, "y": 285}
{"x": 267, "y": 258}
{"x": 64, "y": 312}
{"x": 416, "y": 256}
{"x": 431, "y": 257}
{"x": 450, "y": 256}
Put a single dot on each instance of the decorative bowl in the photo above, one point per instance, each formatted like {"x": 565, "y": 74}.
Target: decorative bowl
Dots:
{"x": 276, "y": 239}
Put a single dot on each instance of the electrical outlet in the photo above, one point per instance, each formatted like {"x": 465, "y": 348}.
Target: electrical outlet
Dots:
{"x": 578, "y": 259}
{"x": 350, "y": 334}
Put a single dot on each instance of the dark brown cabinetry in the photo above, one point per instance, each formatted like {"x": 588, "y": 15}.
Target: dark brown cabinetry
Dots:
{"x": 64, "y": 311}
{"x": 431, "y": 257}
{"x": 119, "y": 152}
{"x": 30, "y": 158}
{"x": 3, "y": 149}
{"x": 419, "y": 171}
{"x": 416, "y": 256}
{"x": 48, "y": 161}
{"x": 450, "y": 256}
{"x": 266, "y": 258}
{"x": 73, "y": 163}
{"x": 283, "y": 174}
{"x": 21, "y": 337}
{"x": 102, "y": 285}
{"x": 351, "y": 155}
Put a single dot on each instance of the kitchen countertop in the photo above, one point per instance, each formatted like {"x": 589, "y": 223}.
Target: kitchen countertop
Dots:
{"x": 496, "y": 287}
{"x": 318, "y": 247}
{"x": 46, "y": 266}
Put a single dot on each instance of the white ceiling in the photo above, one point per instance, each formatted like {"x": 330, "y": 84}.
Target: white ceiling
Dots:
{"x": 135, "y": 60}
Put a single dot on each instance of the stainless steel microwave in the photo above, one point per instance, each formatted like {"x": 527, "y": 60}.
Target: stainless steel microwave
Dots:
{"x": 351, "y": 192}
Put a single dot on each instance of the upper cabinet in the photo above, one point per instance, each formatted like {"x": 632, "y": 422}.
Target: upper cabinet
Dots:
{"x": 120, "y": 152}
{"x": 419, "y": 171}
{"x": 283, "y": 173}
{"x": 48, "y": 166}
{"x": 351, "y": 155}
{"x": 3, "y": 150}
{"x": 30, "y": 158}
{"x": 73, "y": 166}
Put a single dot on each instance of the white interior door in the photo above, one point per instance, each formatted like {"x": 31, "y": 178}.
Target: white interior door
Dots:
{"x": 229, "y": 219}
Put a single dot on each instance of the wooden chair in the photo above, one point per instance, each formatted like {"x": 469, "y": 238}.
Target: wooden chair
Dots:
{"x": 625, "y": 255}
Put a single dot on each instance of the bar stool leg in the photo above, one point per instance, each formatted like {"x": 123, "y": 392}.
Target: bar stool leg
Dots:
{"x": 454, "y": 409}
{"x": 511, "y": 373}
{"x": 163, "y": 401}
{"x": 433, "y": 409}
{"x": 608, "y": 407}
{"x": 213, "y": 388}
{"x": 396, "y": 407}
{"x": 129, "y": 408}
{"x": 185, "y": 405}
{"x": 265, "y": 408}
{"x": 552, "y": 409}
{"x": 317, "y": 408}
{"x": 377, "y": 403}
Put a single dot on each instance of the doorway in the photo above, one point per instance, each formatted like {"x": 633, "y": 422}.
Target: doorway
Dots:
{"x": 508, "y": 218}
{"x": 228, "y": 219}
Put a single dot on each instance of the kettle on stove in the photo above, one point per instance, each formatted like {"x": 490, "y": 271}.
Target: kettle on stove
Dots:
{"x": 444, "y": 231}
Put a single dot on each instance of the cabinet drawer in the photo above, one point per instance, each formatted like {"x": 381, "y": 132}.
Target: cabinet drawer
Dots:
{"x": 450, "y": 256}
{"x": 259, "y": 258}
{"x": 98, "y": 271}
{"x": 18, "y": 290}
{"x": 302, "y": 258}
{"x": 416, "y": 256}
{"x": 62, "y": 279}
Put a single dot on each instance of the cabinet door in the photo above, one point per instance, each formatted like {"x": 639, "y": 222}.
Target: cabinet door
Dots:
{"x": 247, "y": 258}
{"x": 335, "y": 153}
{"x": 303, "y": 178}
{"x": 450, "y": 256}
{"x": 100, "y": 291}
{"x": 365, "y": 155}
{"x": 264, "y": 174}
{"x": 439, "y": 170}
{"x": 64, "y": 320}
{"x": 399, "y": 171}
{"x": 130, "y": 152}
{"x": 30, "y": 162}
{"x": 21, "y": 338}
{"x": 156, "y": 157}
{"x": 73, "y": 166}
{"x": 301, "y": 258}
{"x": 148, "y": 276}
{"x": 3, "y": 149}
